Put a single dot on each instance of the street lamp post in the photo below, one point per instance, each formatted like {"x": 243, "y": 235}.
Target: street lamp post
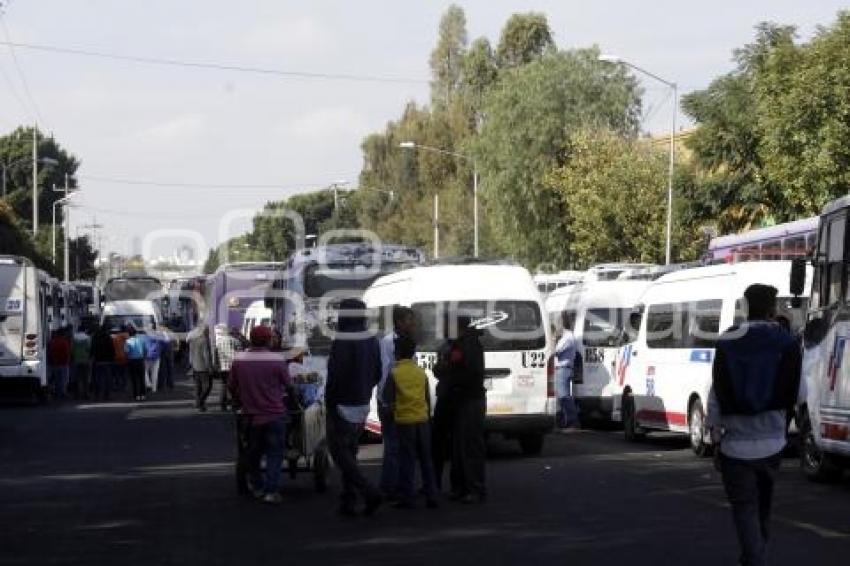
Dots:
{"x": 60, "y": 202}
{"x": 414, "y": 145}
{"x": 674, "y": 88}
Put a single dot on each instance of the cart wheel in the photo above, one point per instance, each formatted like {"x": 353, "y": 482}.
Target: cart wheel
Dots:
{"x": 320, "y": 469}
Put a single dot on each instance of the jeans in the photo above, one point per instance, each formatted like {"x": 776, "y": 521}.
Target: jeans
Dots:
{"x": 567, "y": 412}
{"x": 390, "y": 463}
{"x": 224, "y": 376}
{"x": 343, "y": 443}
{"x": 268, "y": 439}
{"x": 136, "y": 369}
{"x": 59, "y": 379}
{"x": 749, "y": 488}
{"x": 203, "y": 386}
{"x": 102, "y": 379}
{"x": 468, "y": 447}
{"x": 152, "y": 374}
{"x": 414, "y": 442}
{"x": 166, "y": 371}
{"x": 119, "y": 376}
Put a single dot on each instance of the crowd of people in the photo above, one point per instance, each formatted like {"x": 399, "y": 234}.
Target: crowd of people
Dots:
{"x": 96, "y": 362}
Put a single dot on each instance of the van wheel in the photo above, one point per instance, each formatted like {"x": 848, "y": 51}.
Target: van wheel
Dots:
{"x": 696, "y": 429}
{"x": 816, "y": 465}
{"x": 631, "y": 430}
{"x": 531, "y": 444}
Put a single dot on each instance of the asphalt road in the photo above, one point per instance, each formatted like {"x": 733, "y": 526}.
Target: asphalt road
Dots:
{"x": 152, "y": 484}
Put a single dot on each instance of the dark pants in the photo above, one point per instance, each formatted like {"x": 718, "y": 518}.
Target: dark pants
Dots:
{"x": 343, "y": 443}
{"x": 749, "y": 488}
{"x": 266, "y": 439}
{"x": 102, "y": 379}
{"x": 414, "y": 443}
{"x": 390, "y": 464}
{"x": 224, "y": 376}
{"x": 136, "y": 369}
{"x": 441, "y": 438}
{"x": 166, "y": 370}
{"x": 203, "y": 386}
{"x": 119, "y": 376}
{"x": 468, "y": 447}
{"x": 82, "y": 377}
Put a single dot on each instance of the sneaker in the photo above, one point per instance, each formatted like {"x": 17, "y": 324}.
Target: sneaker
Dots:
{"x": 272, "y": 498}
{"x": 373, "y": 504}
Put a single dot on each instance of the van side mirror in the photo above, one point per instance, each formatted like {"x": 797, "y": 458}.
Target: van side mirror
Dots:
{"x": 797, "y": 283}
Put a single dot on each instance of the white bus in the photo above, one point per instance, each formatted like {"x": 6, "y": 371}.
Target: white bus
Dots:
{"x": 825, "y": 414}
{"x": 25, "y": 300}
{"x": 506, "y": 306}
{"x": 599, "y": 312}
{"x": 667, "y": 369}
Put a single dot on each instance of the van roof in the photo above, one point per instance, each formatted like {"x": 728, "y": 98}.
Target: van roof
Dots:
{"x": 617, "y": 293}
{"x": 463, "y": 283}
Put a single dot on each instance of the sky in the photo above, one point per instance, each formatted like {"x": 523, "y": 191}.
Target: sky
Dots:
{"x": 175, "y": 156}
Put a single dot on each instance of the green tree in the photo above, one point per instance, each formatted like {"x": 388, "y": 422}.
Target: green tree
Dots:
{"x": 524, "y": 38}
{"x": 530, "y": 115}
{"x": 447, "y": 57}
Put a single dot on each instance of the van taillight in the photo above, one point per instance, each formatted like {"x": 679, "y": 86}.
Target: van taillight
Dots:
{"x": 31, "y": 336}
{"x": 550, "y": 377}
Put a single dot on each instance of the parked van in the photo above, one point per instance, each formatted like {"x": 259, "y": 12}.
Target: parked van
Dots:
{"x": 506, "y": 306}
{"x": 667, "y": 369}
{"x": 24, "y": 325}
{"x": 599, "y": 312}
{"x": 258, "y": 314}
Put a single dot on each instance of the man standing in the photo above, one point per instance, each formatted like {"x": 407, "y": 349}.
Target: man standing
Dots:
{"x": 755, "y": 381}
{"x": 200, "y": 359}
{"x": 226, "y": 346}
{"x": 59, "y": 362}
{"x": 354, "y": 369}
{"x": 81, "y": 353}
{"x": 565, "y": 356}
{"x": 404, "y": 325}
{"x": 134, "y": 349}
{"x": 153, "y": 356}
{"x": 103, "y": 354}
{"x": 258, "y": 381}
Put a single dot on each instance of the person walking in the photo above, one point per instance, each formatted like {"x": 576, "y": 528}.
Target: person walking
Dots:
{"x": 354, "y": 369}
{"x": 258, "y": 381}
{"x": 407, "y": 394}
{"x": 153, "y": 358}
{"x": 166, "y": 368}
{"x": 103, "y": 357}
{"x": 200, "y": 360}
{"x": 404, "y": 324}
{"x": 59, "y": 362}
{"x": 565, "y": 359}
{"x": 82, "y": 358}
{"x": 119, "y": 367}
{"x": 755, "y": 382}
{"x": 461, "y": 368}
{"x": 226, "y": 347}
{"x": 134, "y": 350}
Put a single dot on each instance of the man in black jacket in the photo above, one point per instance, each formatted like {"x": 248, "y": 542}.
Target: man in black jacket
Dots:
{"x": 103, "y": 357}
{"x": 354, "y": 369}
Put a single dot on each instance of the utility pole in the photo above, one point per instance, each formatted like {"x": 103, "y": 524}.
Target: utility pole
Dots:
{"x": 436, "y": 226}
{"x": 35, "y": 180}
{"x": 66, "y": 218}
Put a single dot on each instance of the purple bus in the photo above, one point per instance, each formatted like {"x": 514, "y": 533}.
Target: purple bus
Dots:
{"x": 783, "y": 241}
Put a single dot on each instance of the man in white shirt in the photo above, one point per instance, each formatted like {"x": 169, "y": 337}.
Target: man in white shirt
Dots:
{"x": 565, "y": 355}
{"x": 404, "y": 324}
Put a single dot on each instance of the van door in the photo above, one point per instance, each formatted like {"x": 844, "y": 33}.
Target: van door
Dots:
{"x": 601, "y": 335}
{"x": 12, "y": 307}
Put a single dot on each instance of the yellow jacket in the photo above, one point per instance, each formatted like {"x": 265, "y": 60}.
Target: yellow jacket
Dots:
{"x": 411, "y": 393}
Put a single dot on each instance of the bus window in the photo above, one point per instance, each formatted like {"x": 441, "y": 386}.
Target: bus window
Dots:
{"x": 835, "y": 259}
{"x": 750, "y": 253}
{"x": 771, "y": 250}
{"x": 811, "y": 242}
{"x": 794, "y": 247}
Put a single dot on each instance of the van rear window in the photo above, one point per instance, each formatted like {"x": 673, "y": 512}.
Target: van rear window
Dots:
{"x": 505, "y": 325}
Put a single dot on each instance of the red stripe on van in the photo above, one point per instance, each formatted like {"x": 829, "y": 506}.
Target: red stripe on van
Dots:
{"x": 670, "y": 418}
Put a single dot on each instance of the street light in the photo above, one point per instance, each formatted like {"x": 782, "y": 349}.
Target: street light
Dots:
{"x": 414, "y": 145}
{"x": 619, "y": 61}
{"x": 60, "y": 202}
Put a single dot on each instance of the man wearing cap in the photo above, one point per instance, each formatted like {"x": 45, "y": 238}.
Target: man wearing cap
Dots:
{"x": 259, "y": 381}
{"x": 755, "y": 382}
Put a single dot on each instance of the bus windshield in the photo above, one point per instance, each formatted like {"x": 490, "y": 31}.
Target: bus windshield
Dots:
{"x": 504, "y": 325}
{"x": 324, "y": 279}
{"x": 132, "y": 289}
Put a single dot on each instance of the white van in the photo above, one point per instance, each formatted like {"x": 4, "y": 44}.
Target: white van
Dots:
{"x": 257, "y": 314}
{"x": 142, "y": 314}
{"x": 668, "y": 367}
{"x": 505, "y": 303}
{"x": 600, "y": 312}
{"x": 24, "y": 326}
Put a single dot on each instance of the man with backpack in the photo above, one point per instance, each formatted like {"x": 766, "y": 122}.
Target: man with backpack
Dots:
{"x": 755, "y": 382}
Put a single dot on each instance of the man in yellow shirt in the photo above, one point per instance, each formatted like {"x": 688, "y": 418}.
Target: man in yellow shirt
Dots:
{"x": 408, "y": 394}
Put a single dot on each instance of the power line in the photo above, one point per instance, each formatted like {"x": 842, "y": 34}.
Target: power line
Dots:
{"x": 197, "y": 185}
{"x": 213, "y": 66}
{"x": 21, "y": 74}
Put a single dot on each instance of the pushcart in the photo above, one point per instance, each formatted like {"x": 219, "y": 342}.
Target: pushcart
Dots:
{"x": 306, "y": 448}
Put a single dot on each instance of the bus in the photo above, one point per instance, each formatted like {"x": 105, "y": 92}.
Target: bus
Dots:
{"x": 824, "y": 422}
{"x": 316, "y": 280}
{"x": 666, "y": 366}
{"x": 781, "y": 242}
{"x": 506, "y": 307}
{"x": 26, "y": 302}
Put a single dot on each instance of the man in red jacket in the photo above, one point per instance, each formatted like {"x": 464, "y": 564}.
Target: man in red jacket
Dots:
{"x": 59, "y": 362}
{"x": 259, "y": 381}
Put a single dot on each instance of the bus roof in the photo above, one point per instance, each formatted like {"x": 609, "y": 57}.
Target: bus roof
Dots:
{"x": 843, "y": 202}
{"x": 804, "y": 226}
{"x": 357, "y": 252}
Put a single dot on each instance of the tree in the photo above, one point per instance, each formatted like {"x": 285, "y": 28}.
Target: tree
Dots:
{"x": 447, "y": 57}
{"x": 531, "y": 113}
{"x": 480, "y": 73}
{"x": 614, "y": 191}
{"x": 525, "y": 37}
{"x": 16, "y": 240}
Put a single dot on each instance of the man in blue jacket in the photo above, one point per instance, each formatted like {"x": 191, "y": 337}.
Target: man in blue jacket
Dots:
{"x": 755, "y": 382}
{"x": 354, "y": 369}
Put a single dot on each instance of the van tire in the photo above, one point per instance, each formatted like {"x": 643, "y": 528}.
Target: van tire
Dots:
{"x": 531, "y": 444}
{"x": 697, "y": 429}
{"x": 817, "y": 466}
{"x": 631, "y": 430}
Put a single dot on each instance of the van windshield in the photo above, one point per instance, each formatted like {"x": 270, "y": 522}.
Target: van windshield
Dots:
{"x": 140, "y": 321}
{"x": 505, "y": 325}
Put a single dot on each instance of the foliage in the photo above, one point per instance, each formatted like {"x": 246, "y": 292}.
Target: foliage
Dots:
{"x": 524, "y": 38}
{"x": 16, "y": 240}
{"x": 447, "y": 57}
